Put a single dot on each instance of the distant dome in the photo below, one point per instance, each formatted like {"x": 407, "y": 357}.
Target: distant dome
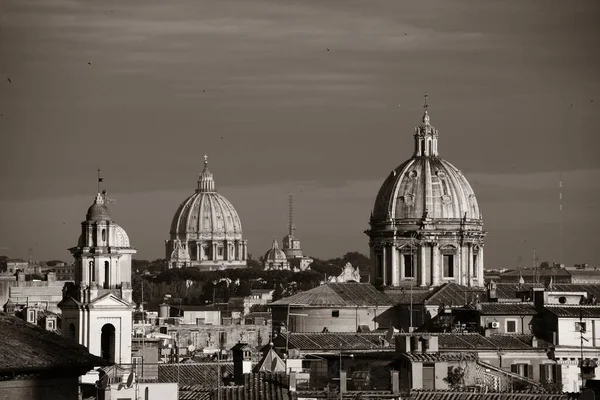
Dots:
{"x": 426, "y": 184}
{"x": 207, "y": 227}
{"x": 205, "y": 215}
{"x": 275, "y": 253}
{"x": 98, "y": 211}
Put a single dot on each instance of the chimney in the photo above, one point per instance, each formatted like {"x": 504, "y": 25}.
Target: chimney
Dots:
{"x": 488, "y": 332}
{"x": 534, "y": 342}
{"x": 242, "y": 362}
{"x": 51, "y": 276}
{"x": 491, "y": 292}
{"x": 395, "y": 382}
{"x": 292, "y": 381}
{"x": 539, "y": 297}
{"x": 20, "y": 276}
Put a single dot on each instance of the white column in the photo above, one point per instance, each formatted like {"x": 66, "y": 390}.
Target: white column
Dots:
{"x": 480, "y": 266}
{"x": 435, "y": 265}
{"x": 423, "y": 265}
{"x": 384, "y": 263}
{"x": 470, "y": 265}
{"x": 395, "y": 265}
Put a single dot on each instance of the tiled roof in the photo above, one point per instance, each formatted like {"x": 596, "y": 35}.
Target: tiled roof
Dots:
{"x": 258, "y": 386}
{"x": 455, "y": 395}
{"x": 539, "y": 272}
{"x": 27, "y": 346}
{"x": 574, "y": 311}
{"x": 403, "y": 296}
{"x": 475, "y": 341}
{"x": 349, "y": 294}
{"x": 521, "y": 308}
{"x": 510, "y": 290}
{"x": 195, "y": 392}
{"x": 440, "y": 357}
{"x": 195, "y": 308}
{"x": 203, "y": 374}
{"x": 333, "y": 341}
{"x": 452, "y": 294}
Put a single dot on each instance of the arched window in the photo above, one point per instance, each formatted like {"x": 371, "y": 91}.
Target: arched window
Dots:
{"x": 107, "y": 342}
{"x": 72, "y": 333}
{"x": 106, "y": 275}
{"x": 104, "y": 235}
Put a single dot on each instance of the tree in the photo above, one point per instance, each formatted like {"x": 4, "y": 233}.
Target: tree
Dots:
{"x": 243, "y": 289}
{"x": 455, "y": 378}
{"x": 278, "y": 293}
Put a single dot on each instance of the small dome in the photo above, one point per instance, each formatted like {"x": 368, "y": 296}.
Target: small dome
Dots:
{"x": 275, "y": 254}
{"x": 121, "y": 238}
{"x": 98, "y": 211}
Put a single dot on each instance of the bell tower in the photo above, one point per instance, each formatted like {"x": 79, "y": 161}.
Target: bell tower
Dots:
{"x": 97, "y": 307}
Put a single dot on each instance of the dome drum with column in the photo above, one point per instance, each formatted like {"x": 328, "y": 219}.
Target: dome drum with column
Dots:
{"x": 426, "y": 228}
{"x": 206, "y": 231}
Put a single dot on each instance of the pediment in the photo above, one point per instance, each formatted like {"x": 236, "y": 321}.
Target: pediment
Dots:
{"x": 69, "y": 302}
{"x": 110, "y": 300}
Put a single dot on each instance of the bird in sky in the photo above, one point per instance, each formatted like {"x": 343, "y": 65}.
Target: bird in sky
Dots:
{"x": 8, "y": 78}
{"x": 89, "y": 63}
{"x": 327, "y": 49}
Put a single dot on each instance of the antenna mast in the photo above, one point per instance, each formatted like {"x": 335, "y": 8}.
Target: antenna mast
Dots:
{"x": 291, "y": 213}
{"x": 560, "y": 222}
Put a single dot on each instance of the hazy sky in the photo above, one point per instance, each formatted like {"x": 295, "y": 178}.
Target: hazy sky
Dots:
{"x": 143, "y": 89}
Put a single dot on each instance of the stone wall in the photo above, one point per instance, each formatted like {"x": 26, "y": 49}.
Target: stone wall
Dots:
{"x": 220, "y": 336}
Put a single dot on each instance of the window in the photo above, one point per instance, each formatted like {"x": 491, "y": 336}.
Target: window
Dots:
{"x": 51, "y": 325}
{"x": 220, "y": 251}
{"x": 511, "y": 326}
{"x": 335, "y": 313}
{"x": 475, "y": 268}
{"x": 580, "y": 327}
{"x": 104, "y": 235}
{"x": 525, "y": 370}
{"x": 448, "y": 266}
{"x": 379, "y": 266}
{"x": 408, "y": 266}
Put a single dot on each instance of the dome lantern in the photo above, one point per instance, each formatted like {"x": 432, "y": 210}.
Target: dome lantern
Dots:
{"x": 206, "y": 182}
{"x": 426, "y": 136}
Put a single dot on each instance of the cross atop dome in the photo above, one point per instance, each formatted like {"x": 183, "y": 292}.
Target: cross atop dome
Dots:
{"x": 425, "y": 113}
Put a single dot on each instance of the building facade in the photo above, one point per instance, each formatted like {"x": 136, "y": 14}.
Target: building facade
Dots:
{"x": 206, "y": 231}
{"x": 426, "y": 228}
{"x": 275, "y": 258}
{"x": 97, "y": 308}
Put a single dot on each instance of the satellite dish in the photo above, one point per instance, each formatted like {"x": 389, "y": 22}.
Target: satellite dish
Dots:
{"x": 129, "y": 380}
{"x": 191, "y": 348}
{"x": 103, "y": 382}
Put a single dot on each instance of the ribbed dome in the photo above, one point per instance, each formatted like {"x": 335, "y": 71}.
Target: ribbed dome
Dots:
{"x": 426, "y": 184}
{"x": 98, "y": 211}
{"x": 275, "y": 254}
{"x": 120, "y": 239}
{"x": 206, "y": 214}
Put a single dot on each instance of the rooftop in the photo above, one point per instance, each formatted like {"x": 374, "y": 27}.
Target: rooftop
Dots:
{"x": 195, "y": 308}
{"x": 574, "y": 311}
{"x": 349, "y": 294}
{"x": 463, "y": 395}
{"x": 28, "y": 347}
{"x": 195, "y": 374}
{"x": 475, "y": 341}
{"x": 523, "y": 308}
{"x": 335, "y": 341}
{"x": 258, "y": 386}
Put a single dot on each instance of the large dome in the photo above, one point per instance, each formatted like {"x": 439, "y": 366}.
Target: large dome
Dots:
{"x": 426, "y": 184}
{"x": 275, "y": 254}
{"x": 207, "y": 227}
{"x": 205, "y": 214}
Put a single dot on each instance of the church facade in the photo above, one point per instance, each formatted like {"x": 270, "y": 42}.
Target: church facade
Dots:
{"x": 426, "y": 228}
{"x": 206, "y": 231}
{"x": 97, "y": 308}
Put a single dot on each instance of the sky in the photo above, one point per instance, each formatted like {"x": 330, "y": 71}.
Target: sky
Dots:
{"x": 319, "y": 98}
